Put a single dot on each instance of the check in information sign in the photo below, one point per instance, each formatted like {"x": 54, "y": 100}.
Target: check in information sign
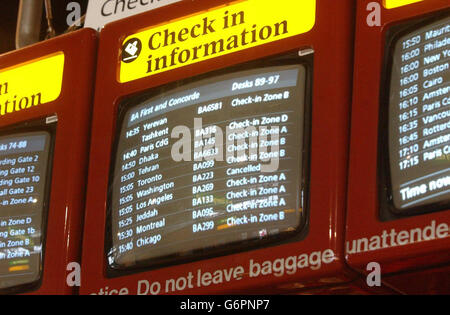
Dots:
{"x": 31, "y": 84}
{"x": 213, "y": 33}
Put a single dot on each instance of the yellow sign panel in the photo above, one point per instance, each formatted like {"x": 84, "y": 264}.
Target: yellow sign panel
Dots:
{"x": 31, "y": 83}
{"x": 390, "y": 4}
{"x": 213, "y": 33}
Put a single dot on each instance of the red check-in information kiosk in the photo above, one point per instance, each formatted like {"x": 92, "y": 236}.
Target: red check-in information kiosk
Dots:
{"x": 219, "y": 149}
{"x": 398, "y": 196}
{"x": 46, "y": 92}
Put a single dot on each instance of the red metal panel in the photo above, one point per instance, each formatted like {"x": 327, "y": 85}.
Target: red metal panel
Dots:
{"x": 363, "y": 203}
{"x": 331, "y": 39}
{"x": 73, "y": 108}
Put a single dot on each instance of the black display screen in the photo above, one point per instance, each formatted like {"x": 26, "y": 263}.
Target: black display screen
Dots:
{"x": 419, "y": 111}
{"x": 24, "y": 159}
{"x": 208, "y": 164}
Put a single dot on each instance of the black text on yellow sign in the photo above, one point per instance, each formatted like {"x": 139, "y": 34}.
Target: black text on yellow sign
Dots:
{"x": 217, "y": 32}
{"x": 31, "y": 84}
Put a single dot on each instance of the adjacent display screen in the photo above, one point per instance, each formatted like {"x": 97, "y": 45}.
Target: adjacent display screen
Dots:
{"x": 419, "y": 124}
{"x": 207, "y": 164}
{"x": 23, "y": 168}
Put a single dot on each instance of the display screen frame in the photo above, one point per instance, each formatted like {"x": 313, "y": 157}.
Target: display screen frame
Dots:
{"x": 126, "y": 103}
{"x": 387, "y": 210}
{"x": 49, "y": 125}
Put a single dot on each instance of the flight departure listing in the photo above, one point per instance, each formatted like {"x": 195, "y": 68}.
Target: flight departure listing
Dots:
{"x": 419, "y": 124}
{"x": 207, "y": 164}
{"x": 23, "y": 168}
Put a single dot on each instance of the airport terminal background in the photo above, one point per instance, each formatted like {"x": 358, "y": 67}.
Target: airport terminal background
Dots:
{"x": 8, "y": 21}
{"x": 413, "y": 161}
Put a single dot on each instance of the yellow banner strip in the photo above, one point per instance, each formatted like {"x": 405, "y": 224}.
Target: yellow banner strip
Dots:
{"x": 391, "y": 4}
{"x": 31, "y": 84}
{"x": 214, "y": 33}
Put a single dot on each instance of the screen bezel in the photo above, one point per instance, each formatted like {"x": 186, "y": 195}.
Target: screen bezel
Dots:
{"x": 387, "y": 209}
{"x": 38, "y": 125}
{"x": 129, "y": 101}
